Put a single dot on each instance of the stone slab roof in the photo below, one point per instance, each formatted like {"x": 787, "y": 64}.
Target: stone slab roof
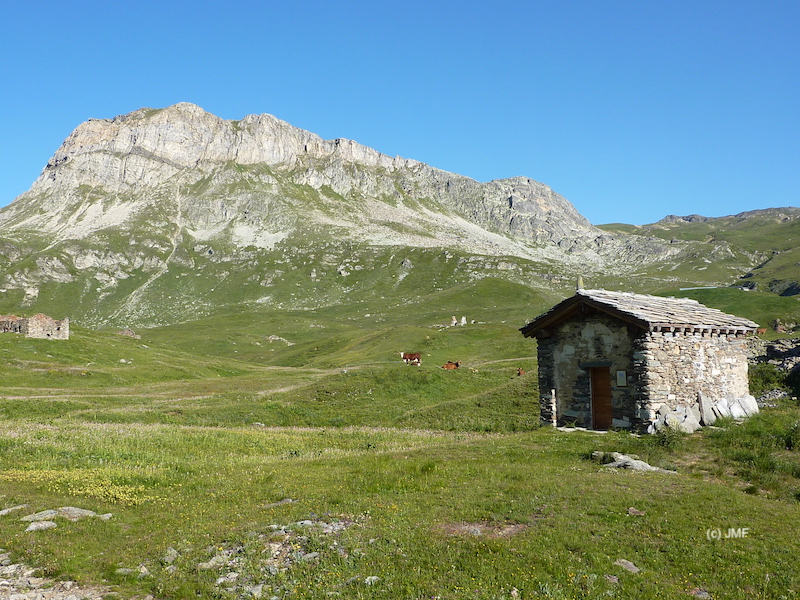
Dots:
{"x": 653, "y": 313}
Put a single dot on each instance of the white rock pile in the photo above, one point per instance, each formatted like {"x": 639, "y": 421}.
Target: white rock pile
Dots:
{"x": 689, "y": 418}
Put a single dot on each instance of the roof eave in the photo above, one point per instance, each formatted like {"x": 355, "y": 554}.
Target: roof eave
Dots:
{"x": 569, "y": 307}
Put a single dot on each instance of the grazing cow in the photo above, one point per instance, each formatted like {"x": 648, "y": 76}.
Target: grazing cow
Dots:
{"x": 411, "y": 358}
{"x": 520, "y": 372}
{"x": 451, "y": 365}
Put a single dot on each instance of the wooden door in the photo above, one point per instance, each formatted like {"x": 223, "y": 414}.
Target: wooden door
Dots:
{"x": 601, "y": 397}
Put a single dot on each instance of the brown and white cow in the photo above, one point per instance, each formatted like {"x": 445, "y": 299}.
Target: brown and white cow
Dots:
{"x": 411, "y": 358}
{"x": 451, "y": 365}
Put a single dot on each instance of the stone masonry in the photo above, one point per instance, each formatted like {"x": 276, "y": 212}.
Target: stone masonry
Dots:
{"x": 564, "y": 361}
{"x": 38, "y": 326}
{"x": 670, "y": 362}
{"x": 694, "y": 372}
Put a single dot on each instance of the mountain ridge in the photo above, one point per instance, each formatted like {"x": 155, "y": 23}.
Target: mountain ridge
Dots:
{"x": 149, "y": 147}
{"x": 137, "y": 219}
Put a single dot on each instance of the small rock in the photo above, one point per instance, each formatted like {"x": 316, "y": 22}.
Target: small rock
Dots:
{"x": 228, "y": 578}
{"x": 73, "y": 514}
{"x": 635, "y": 513}
{"x": 5, "y": 511}
{"x": 41, "y": 516}
{"x": 612, "y": 578}
{"x": 41, "y": 525}
{"x": 215, "y": 562}
{"x": 170, "y": 556}
{"x": 699, "y": 593}
{"x": 372, "y": 580}
{"x": 627, "y": 565}
{"x": 279, "y": 502}
{"x": 617, "y": 460}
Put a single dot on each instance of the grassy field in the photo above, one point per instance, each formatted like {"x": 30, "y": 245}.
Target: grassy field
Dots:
{"x": 293, "y": 455}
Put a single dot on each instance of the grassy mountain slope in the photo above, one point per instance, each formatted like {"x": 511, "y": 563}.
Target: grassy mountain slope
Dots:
{"x": 769, "y": 239}
{"x": 164, "y": 216}
{"x": 214, "y": 438}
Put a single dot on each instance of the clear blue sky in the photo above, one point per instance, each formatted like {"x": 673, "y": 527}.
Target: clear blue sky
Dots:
{"x": 632, "y": 110}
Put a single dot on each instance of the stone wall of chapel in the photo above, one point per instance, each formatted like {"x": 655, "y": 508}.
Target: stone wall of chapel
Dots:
{"x": 565, "y": 359}
{"x": 677, "y": 368}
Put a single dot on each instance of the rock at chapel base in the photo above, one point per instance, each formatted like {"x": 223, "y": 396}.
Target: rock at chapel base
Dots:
{"x": 749, "y": 405}
{"x": 690, "y": 424}
{"x": 722, "y": 407}
{"x": 737, "y": 412}
{"x": 707, "y": 416}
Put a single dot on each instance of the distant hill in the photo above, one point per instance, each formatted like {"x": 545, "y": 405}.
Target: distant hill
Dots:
{"x": 168, "y": 215}
{"x": 771, "y": 236}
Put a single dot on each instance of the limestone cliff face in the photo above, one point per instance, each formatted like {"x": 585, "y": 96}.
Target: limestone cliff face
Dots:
{"x": 110, "y": 170}
{"x": 141, "y": 217}
{"x": 147, "y": 147}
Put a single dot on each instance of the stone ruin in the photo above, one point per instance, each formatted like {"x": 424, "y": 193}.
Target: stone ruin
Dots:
{"x": 38, "y": 326}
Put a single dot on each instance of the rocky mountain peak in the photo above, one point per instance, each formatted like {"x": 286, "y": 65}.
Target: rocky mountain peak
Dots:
{"x": 184, "y": 136}
{"x": 145, "y": 195}
{"x": 109, "y": 170}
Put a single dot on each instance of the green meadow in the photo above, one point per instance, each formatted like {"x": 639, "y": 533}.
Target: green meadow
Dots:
{"x": 291, "y": 454}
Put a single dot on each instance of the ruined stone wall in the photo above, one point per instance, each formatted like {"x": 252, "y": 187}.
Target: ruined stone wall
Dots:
{"x": 594, "y": 340}
{"x": 42, "y": 326}
{"x": 679, "y": 368}
{"x": 13, "y": 324}
{"x": 37, "y": 326}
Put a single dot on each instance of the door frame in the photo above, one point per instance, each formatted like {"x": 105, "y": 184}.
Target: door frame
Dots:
{"x": 604, "y": 373}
